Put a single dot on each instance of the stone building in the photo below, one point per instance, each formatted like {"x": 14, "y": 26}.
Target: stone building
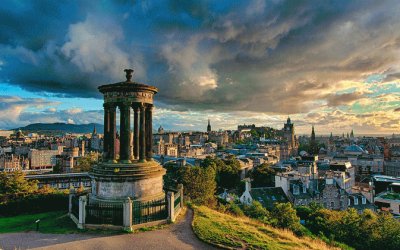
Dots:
{"x": 42, "y": 158}
{"x": 290, "y": 144}
{"x": 95, "y": 140}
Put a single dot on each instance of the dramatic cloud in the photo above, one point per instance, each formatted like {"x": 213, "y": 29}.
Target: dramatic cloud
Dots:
{"x": 271, "y": 58}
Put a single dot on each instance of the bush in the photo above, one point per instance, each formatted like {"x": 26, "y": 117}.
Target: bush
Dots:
{"x": 257, "y": 211}
{"x": 34, "y": 203}
{"x": 234, "y": 209}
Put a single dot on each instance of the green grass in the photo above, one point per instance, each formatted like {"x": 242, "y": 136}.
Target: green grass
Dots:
{"x": 50, "y": 222}
{"x": 229, "y": 232}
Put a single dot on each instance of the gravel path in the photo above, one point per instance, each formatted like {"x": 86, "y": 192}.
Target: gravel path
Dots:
{"x": 176, "y": 236}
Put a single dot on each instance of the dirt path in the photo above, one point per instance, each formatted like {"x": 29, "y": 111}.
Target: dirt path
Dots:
{"x": 176, "y": 236}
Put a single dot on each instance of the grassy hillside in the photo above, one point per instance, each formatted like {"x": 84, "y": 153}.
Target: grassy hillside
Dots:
{"x": 231, "y": 232}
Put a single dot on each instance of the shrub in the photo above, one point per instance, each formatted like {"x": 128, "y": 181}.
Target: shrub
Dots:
{"x": 34, "y": 203}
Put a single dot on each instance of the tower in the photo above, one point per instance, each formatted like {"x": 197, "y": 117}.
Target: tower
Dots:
{"x": 94, "y": 130}
{"x": 288, "y": 132}
{"x": 313, "y": 143}
{"x": 208, "y": 126}
{"x": 136, "y": 175}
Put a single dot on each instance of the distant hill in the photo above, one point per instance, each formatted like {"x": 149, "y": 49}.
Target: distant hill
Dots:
{"x": 63, "y": 127}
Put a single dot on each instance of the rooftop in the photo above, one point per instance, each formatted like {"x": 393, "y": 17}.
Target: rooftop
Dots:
{"x": 267, "y": 196}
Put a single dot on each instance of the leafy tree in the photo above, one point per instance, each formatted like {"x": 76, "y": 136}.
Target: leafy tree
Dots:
{"x": 362, "y": 231}
{"x": 227, "y": 171}
{"x": 86, "y": 162}
{"x": 199, "y": 184}
{"x": 283, "y": 215}
{"x": 15, "y": 182}
{"x": 171, "y": 177}
{"x": 263, "y": 176}
{"x": 57, "y": 168}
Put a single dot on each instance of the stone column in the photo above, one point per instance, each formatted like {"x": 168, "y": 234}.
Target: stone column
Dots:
{"x": 71, "y": 194}
{"x": 127, "y": 212}
{"x": 142, "y": 134}
{"x": 149, "y": 132}
{"x": 171, "y": 207}
{"x": 136, "y": 132}
{"x": 125, "y": 128}
{"x": 82, "y": 212}
{"x": 106, "y": 147}
{"x": 180, "y": 189}
{"x": 112, "y": 133}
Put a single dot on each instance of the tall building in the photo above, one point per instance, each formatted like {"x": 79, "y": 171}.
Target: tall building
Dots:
{"x": 290, "y": 146}
{"x": 288, "y": 132}
{"x": 208, "y": 126}
{"x": 95, "y": 140}
{"x": 313, "y": 142}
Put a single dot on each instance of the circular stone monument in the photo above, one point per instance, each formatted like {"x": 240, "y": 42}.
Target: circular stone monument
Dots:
{"x": 134, "y": 173}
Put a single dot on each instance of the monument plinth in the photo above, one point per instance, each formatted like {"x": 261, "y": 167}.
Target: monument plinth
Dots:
{"x": 134, "y": 173}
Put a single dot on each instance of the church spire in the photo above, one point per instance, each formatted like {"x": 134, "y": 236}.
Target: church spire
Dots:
{"x": 94, "y": 130}
{"x": 312, "y": 133}
{"x": 209, "y": 126}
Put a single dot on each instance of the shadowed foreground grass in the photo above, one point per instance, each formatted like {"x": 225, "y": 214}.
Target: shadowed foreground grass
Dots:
{"x": 231, "y": 232}
{"x": 50, "y": 222}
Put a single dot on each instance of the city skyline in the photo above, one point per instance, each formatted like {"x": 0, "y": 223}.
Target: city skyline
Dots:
{"x": 332, "y": 65}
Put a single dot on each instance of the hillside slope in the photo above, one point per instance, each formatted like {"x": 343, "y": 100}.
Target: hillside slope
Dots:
{"x": 63, "y": 127}
{"x": 231, "y": 232}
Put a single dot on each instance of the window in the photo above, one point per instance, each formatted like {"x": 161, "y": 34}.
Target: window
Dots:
{"x": 355, "y": 201}
{"x": 332, "y": 204}
{"x": 348, "y": 202}
{"x": 364, "y": 201}
{"x": 296, "y": 189}
{"x": 304, "y": 189}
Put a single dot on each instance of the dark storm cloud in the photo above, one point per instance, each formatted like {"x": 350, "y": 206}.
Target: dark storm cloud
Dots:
{"x": 264, "y": 56}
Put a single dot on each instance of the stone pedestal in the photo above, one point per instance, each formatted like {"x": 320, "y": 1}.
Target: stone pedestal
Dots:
{"x": 140, "y": 181}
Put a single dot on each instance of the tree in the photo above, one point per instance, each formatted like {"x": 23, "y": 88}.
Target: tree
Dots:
{"x": 227, "y": 171}
{"x": 199, "y": 184}
{"x": 263, "y": 176}
{"x": 86, "y": 162}
{"x": 57, "y": 168}
{"x": 171, "y": 177}
{"x": 15, "y": 182}
{"x": 283, "y": 215}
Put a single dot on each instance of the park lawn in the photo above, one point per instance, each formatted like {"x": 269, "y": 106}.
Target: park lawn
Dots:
{"x": 232, "y": 232}
{"x": 50, "y": 222}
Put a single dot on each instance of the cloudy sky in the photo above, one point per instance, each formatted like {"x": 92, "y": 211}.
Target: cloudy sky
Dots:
{"x": 334, "y": 64}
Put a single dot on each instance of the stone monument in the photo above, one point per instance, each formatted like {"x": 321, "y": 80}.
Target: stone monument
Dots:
{"x": 133, "y": 173}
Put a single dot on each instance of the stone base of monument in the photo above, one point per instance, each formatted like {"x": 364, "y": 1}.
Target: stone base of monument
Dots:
{"x": 126, "y": 196}
{"x": 140, "y": 181}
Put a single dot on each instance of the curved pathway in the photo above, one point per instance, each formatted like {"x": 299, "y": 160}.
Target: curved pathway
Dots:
{"x": 175, "y": 236}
